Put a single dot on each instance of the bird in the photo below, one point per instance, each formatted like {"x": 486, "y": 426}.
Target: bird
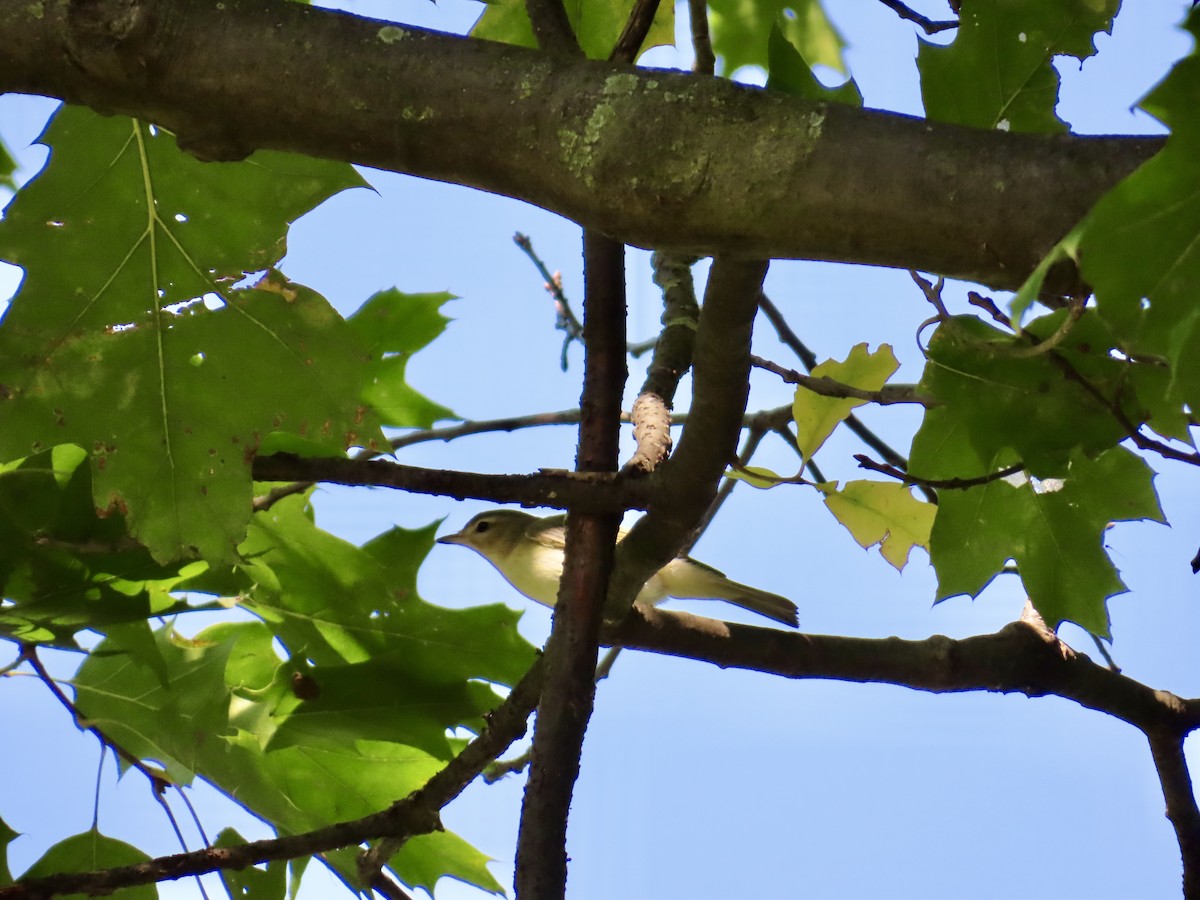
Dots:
{"x": 529, "y": 550}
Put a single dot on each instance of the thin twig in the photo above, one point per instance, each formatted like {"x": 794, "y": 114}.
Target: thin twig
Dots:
{"x": 552, "y": 28}
{"x": 705, "y": 62}
{"x": 753, "y": 439}
{"x": 828, "y": 387}
{"x": 566, "y": 320}
{"x": 936, "y": 483}
{"x": 930, "y": 26}
{"x": 988, "y": 305}
{"x": 502, "y": 767}
{"x": 672, "y": 359}
{"x": 388, "y": 888}
{"x": 633, "y": 35}
{"x": 157, "y": 778}
{"x": 1114, "y": 408}
{"x": 809, "y": 360}
{"x": 159, "y": 782}
{"x": 1112, "y": 663}
{"x": 932, "y": 291}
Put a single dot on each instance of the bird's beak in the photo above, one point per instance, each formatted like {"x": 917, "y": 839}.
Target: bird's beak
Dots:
{"x": 456, "y": 538}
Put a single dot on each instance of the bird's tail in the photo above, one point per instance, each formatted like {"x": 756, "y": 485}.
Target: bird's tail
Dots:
{"x": 686, "y": 578}
{"x": 781, "y": 609}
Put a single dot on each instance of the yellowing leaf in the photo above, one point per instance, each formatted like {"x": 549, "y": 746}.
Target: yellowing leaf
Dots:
{"x": 877, "y": 512}
{"x": 756, "y": 476}
{"x": 816, "y": 416}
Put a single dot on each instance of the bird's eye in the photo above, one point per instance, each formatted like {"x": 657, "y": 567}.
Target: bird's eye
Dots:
{"x": 481, "y": 527}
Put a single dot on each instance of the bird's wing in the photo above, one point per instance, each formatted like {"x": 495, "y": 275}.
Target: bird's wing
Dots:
{"x": 550, "y": 531}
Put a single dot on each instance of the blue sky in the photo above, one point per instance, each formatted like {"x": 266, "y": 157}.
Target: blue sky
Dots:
{"x": 701, "y": 783}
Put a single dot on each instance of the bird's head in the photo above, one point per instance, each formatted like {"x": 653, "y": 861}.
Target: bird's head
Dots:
{"x": 492, "y": 534}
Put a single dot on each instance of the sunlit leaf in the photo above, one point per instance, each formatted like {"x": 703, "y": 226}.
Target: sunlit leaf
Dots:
{"x": 757, "y": 477}
{"x": 393, "y": 326}
{"x": 817, "y": 416}
{"x": 883, "y": 513}
{"x": 252, "y": 882}
{"x": 131, "y": 249}
{"x": 169, "y": 721}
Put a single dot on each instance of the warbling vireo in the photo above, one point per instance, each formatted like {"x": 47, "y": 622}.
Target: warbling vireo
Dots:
{"x": 529, "y": 551}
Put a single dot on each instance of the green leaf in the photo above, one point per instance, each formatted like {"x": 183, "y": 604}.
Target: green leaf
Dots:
{"x": 252, "y": 882}
{"x": 741, "y": 32}
{"x": 215, "y": 714}
{"x": 997, "y": 405}
{"x": 757, "y": 477}
{"x": 8, "y": 167}
{"x": 87, "y": 852}
{"x": 7, "y": 836}
{"x": 816, "y": 416}
{"x": 998, "y": 72}
{"x": 168, "y": 721}
{"x": 64, "y": 569}
{"x": 1140, "y": 249}
{"x": 336, "y": 603}
{"x": 377, "y": 700}
{"x": 393, "y": 326}
{"x": 597, "y": 24}
{"x": 1066, "y": 250}
{"x": 790, "y": 74}
{"x": 425, "y": 858}
{"x": 121, "y": 237}
{"x": 883, "y": 513}
{"x": 1053, "y": 531}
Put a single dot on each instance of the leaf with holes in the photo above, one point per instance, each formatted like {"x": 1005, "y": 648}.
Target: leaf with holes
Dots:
{"x": 817, "y": 415}
{"x": 877, "y": 512}
{"x": 790, "y": 74}
{"x": 131, "y": 251}
{"x": 999, "y": 71}
{"x": 1140, "y": 248}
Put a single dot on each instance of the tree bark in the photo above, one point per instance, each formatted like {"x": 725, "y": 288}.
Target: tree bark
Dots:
{"x": 653, "y": 158}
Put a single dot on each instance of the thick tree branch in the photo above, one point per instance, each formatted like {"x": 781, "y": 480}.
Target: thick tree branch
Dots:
{"x": 824, "y": 181}
{"x": 687, "y": 483}
{"x": 571, "y": 651}
{"x": 1017, "y": 659}
{"x": 1172, "y": 768}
